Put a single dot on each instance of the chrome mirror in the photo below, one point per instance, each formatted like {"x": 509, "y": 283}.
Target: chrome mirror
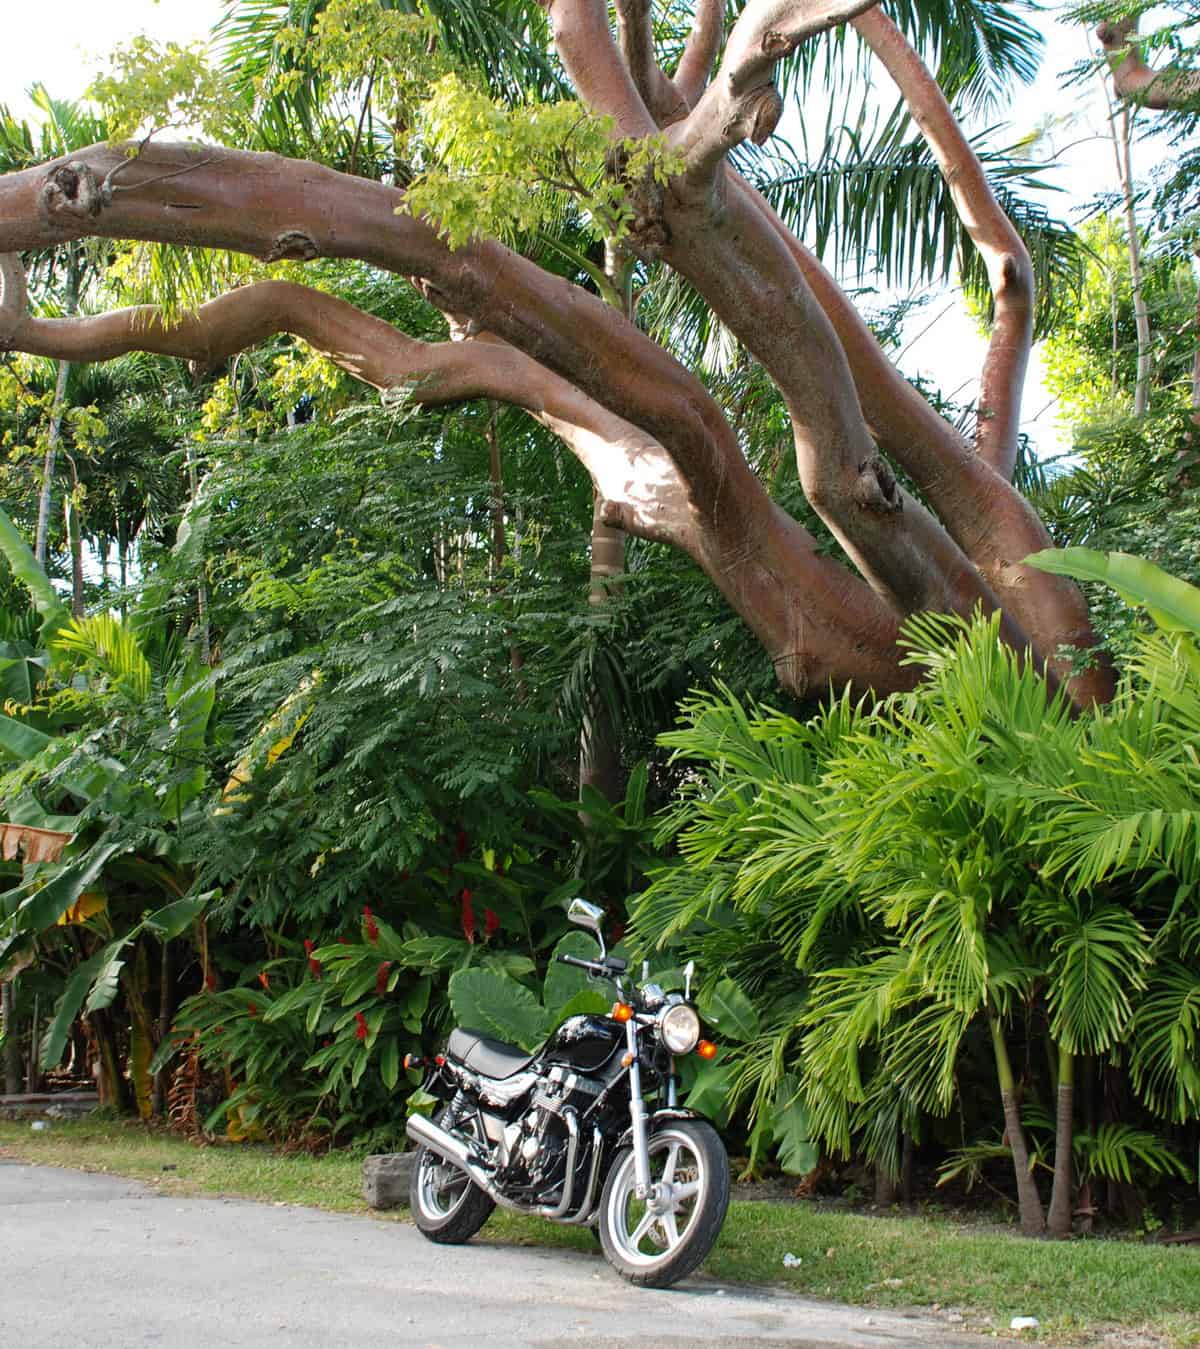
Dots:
{"x": 587, "y": 915}
{"x": 688, "y": 970}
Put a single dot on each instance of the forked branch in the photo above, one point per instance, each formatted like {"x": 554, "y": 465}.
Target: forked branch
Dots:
{"x": 1135, "y": 81}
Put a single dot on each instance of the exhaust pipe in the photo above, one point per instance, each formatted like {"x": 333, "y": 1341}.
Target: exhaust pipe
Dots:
{"x": 451, "y": 1149}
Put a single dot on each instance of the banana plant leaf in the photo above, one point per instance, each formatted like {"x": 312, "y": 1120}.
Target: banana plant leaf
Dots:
{"x": 1171, "y": 603}
{"x": 27, "y": 569}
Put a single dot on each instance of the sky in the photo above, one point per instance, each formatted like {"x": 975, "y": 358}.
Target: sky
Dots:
{"x": 943, "y": 342}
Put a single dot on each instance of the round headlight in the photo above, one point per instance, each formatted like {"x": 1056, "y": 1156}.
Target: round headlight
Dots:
{"x": 679, "y": 1027}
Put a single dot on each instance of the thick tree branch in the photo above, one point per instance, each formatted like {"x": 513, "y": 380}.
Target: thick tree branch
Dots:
{"x": 635, "y": 33}
{"x": 700, "y": 52}
{"x": 816, "y": 620}
{"x": 987, "y": 517}
{"x": 1135, "y": 81}
{"x": 630, "y": 470}
{"x": 1010, "y": 272}
{"x": 601, "y": 78}
{"x": 742, "y": 102}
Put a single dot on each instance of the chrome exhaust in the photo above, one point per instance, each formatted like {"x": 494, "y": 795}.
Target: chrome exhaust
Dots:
{"x": 451, "y": 1149}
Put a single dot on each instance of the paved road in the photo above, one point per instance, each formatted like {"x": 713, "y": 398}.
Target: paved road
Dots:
{"x": 93, "y": 1262}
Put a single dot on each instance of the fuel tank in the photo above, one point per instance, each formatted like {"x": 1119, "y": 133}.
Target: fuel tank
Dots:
{"x": 585, "y": 1043}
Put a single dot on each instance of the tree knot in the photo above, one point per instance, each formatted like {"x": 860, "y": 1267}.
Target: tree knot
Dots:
{"x": 293, "y": 244}
{"x": 72, "y": 190}
{"x": 776, "y": 44}
{"x": 876, "y": 488}
{"x": 762, "y": 111}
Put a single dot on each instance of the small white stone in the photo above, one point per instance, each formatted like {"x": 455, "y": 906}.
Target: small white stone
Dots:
{"x": 1024, "y": 1323}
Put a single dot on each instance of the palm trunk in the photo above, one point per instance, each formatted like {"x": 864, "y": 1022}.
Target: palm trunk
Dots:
{"x": 1122, "y": 140}
{"x": 1033, "y": 1219}
{"x": 110, "y": 1084}
{"x": 166, "y": 1010}
{"x": 46, "y": 496}
{"x": 75, "y": 541}
{"x": 12, "y": 1044}
{"x": 599, "y": 751}
{"x": 1058, "y": 1219}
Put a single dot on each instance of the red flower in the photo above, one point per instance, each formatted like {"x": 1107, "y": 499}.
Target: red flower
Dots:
{"x": 491, "y": 922}
{"x": 381, "y": 977}
{"x": 326, "y": 1043}
{"x": 210, "y": 982}
{"x": 371, "y": 925}
{"x": 264, "y": 978}
{"x": 360, "y": 1029}
{"x": 251, "y": 1009}
{"x": 314, "y": 965}
{"x": 468, "y": 917}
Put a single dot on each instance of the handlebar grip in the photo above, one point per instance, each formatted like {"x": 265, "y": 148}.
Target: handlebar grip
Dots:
{"x": 573, "y": 960}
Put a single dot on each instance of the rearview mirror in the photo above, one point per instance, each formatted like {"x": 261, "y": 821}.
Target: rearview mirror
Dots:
{"x": 587, "y": 915}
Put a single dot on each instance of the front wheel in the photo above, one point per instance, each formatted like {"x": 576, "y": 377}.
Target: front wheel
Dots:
{"x": 447, "y": 1206}
{"x": 658, "y": 1240}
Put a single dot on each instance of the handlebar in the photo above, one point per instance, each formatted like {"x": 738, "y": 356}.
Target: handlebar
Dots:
{"x": 609, "y": 965}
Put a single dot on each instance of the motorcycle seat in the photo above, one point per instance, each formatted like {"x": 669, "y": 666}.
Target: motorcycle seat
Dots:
{"x": 492, "y": 1058}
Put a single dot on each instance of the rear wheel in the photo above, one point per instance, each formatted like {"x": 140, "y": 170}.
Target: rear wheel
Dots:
{"x": 447, "y": 1206}
{"x": 658, "y": 1240}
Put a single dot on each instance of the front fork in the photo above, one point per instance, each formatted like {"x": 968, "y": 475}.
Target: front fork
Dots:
{"x": 637, "y": 1113}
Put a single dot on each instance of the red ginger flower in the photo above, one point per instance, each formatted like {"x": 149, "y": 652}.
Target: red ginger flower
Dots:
{"x": 313, "y": 964}
{"x": 360, "y": 1029}
{"x": 264, "y": 978}
{"x": 371, "y": 925}
{"x": 210, "y": 982}
{"x": 251, "y": 1009}
{"x": 468, "y": 917}
{"x": 381, "y": 977}
{"x": 491, "y": 922}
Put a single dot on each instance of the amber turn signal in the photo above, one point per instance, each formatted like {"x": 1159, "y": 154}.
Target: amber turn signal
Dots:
{"x": 622, "y": 1011}
{"x": 706, "y": 1049}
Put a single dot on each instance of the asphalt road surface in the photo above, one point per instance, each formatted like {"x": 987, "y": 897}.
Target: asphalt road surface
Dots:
{"x": 94, "y": 1261}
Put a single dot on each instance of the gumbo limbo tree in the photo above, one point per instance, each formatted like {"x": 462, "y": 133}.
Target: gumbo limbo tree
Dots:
{"x": 666, "y": 462}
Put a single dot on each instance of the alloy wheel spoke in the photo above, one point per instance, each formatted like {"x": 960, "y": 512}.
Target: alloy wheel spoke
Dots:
{"x": 668, "y": 1173}
{"x": 671, "y": 1229}
{"x": 648, "y": 1219}
{"x": 688, "y": 1190}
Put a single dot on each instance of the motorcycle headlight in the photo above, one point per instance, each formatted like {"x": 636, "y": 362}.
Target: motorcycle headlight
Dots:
{"x": 679, "y": 1027}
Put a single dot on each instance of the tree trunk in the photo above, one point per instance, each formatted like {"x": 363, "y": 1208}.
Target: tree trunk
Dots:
{"x": 1033, "y": 1220}
{"x": 885, "y": 1187}
{"x": 75, "y": 541}
{"x": 1058, "y": 1219}
{"x": 1122, "y": 148}
{"x": 46, "y": 496}
{"x": 166, "y": 1009}
{"x": 12, "y": 1044}
{"x": 110, "y": 1084}
{"x": 599, "y": 748}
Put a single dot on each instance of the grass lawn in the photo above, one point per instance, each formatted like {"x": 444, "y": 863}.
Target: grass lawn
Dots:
{"x": 1078, "y": 1290}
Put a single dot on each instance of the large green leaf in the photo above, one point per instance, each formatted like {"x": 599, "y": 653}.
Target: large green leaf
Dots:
{"x": 709, "y": 1093}
{"x": 27, "y": 569}
{"x": 67, "y": 1009}
{"x": 791, "y": 1129}
{"x": 1171, "y": 603}
{"x": 729, "y": 1009}
{"x": 171, "y": 920}
{"x": 45, "y": 906}
{"x": 563, "y": 982}
{"x": 487, "y": 1002}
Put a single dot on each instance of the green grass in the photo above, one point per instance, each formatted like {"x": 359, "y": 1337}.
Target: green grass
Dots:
{"x": 1076, "y": 1289}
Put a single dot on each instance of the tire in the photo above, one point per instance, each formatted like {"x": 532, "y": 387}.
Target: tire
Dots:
{"x": 447, "y": 1206}
{"x": 656, "y": 1251}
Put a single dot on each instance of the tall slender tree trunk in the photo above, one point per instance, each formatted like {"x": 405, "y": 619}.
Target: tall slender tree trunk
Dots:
{"x": 599, "y": 748}
{"x": 12, "y": 1045}
{"x": 1033, "y": 1218}
{"x": 46, "y": 496}
{"x": 75, "y": 543}
{"x": 166, "y": 1009}
{"x": 1058, "y": 1218}
{"x": 57, "y": 410}
{"x": 1121, "y": 124}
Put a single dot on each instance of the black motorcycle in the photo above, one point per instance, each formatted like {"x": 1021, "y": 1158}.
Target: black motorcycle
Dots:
{"x": 586, "y": 1131}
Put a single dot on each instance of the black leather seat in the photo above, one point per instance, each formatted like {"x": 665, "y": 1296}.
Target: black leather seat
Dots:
{"x": 493, "y": 1058}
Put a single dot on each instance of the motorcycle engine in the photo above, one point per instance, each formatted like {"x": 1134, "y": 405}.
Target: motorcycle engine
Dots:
{"x": 535, "y": 1146}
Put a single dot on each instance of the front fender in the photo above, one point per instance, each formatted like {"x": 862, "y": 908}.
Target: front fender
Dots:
{"x": 658, "y": 1120}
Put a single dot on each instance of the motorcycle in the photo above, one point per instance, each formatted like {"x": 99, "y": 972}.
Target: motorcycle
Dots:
{"x": 586, "y": 1131}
